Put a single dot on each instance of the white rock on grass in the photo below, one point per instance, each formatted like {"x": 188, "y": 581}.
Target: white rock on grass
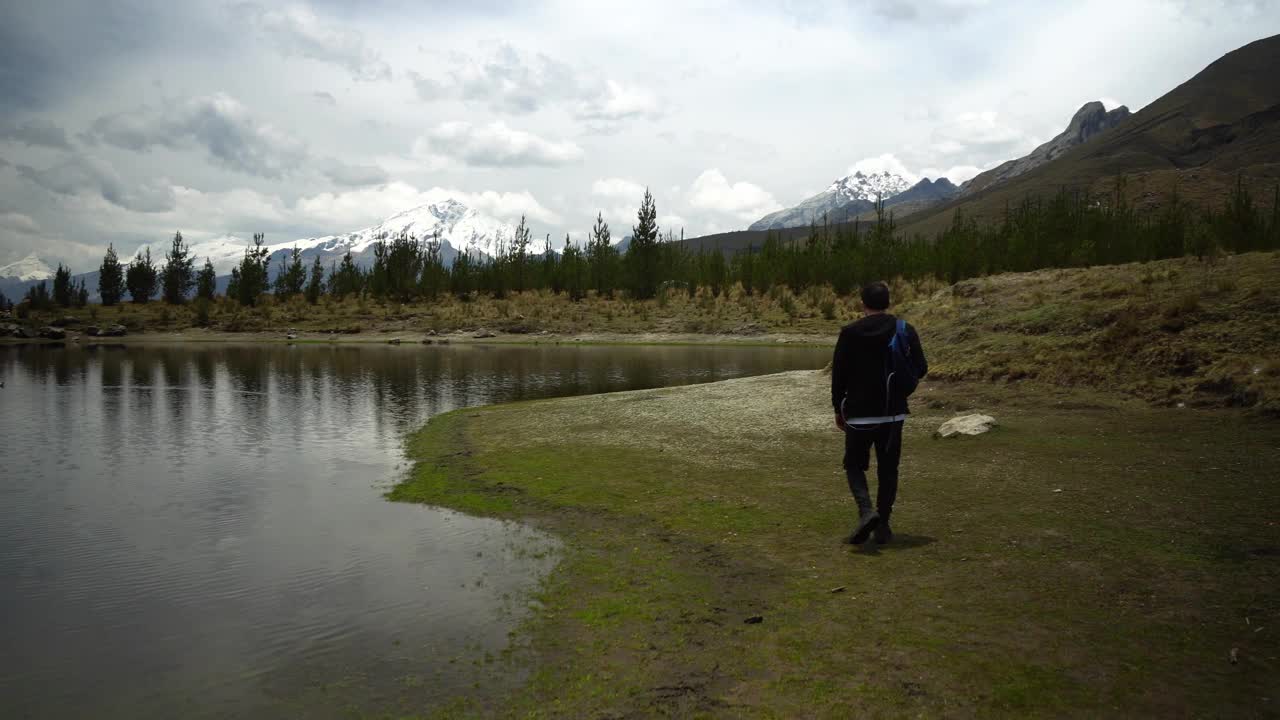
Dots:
{"x": 975, "y": 424}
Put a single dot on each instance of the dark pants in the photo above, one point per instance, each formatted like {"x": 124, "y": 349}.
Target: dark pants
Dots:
{"x": 887, "y": 439}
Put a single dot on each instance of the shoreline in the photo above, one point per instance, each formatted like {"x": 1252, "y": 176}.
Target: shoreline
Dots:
{"x": 421, "y": 338}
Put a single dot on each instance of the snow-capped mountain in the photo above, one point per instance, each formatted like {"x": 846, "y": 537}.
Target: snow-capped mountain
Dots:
{"x": 29, "y": 268}
{"x": 845, "y": 198}
{"x": 461, "y": 229}
{"x": 859, "y": 186}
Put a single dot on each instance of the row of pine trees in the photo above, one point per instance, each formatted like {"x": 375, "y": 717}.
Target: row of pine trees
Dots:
{"x": 1066, "y": 230}
{"x": 141, "y": 279}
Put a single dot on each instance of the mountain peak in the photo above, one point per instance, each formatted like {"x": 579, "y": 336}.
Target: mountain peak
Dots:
{"x": 28, "y": 268}
{"x": 868, "y": 186}
{"x": 1092, "y": 107}
{"x": 843, "y": 199}
{"x": 1091, "y": 120}
{"x": 464, "y": 228}
{"x": 461, "y": 228}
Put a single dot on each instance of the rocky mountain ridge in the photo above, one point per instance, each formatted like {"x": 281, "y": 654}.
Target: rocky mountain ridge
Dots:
{"x": 1091, "y": 120}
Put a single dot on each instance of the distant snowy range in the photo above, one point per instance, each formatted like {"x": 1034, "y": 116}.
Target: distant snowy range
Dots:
{"x": 461, "y": 230}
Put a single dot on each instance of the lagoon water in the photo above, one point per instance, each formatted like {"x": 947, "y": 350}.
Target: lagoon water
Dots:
{"x": 200, "y": 531}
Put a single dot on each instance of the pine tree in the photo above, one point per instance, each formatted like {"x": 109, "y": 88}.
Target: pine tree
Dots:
{"x": 62, "y": 290}
{"x": 297, "y": 273}
{"x": 403, "y": 267}
{"x": 602, "y": 257}
{"x": 178, "y": 275}
{"x": 110, "y": 278}
{"x": 461, "y": 276}
{"x": 642, "y": 255}
{"x": 233, "y": 284}
{"x": 142, "y": 277}
{"x": 249, "y": 281}
{"x": 315, "y": 284}
{"x": 435, "y": 278}
{"x": 206, "y": 281}
{"x": 4, "y": 303}
{"x": 572, "y": 267}
{"x": 81, "y": 294}
{"x": 347, "y": 279}
{"x": 37, "y": 297}
{"x": 377, "y": 279}
{"x": 550, "y": 265}
{"x": 520, "y": 255}
{"x": 291, "y": 279}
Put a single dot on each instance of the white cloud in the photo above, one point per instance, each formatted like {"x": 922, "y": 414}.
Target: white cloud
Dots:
{"x": 712, "y": 191}
{"x": 493, "y": 145}
{"x": 18, "y": 223}
{"x": 928, "y": 11}
{"x": 231, "y": 210}
{"x": 83, "y": 174}
{"x": 508, "y": 81}
{"x": 671, "y": 223}
{"x": 517, "y": 83}
{"x": 37, "y": 132}
{"x": 956, "y": 174}
{"x": 218, "y": 123}
{"x": 618, "y": 188}
{"x": 978, "y": 132}
{"x": 608, "y": 106}
{"x": 296, "y": 30}
{"x": 353, "y": 175}
{"x": 199, "y": 214}
{"x": 887, "y": 162}
{"x": 355, "y": 209}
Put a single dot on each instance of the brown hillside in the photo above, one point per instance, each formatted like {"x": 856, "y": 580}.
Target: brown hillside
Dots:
{"x": 1222, "y": 122}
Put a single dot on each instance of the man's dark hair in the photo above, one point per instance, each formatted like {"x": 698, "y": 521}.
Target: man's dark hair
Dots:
{"x": 876, "y": 295}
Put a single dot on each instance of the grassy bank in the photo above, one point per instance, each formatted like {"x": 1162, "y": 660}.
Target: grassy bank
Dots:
{"x": 1094, "y": 556}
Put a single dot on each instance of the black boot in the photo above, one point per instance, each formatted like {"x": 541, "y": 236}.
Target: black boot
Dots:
{"x": 884, "y": 535}
{"x": 868, "y": 520}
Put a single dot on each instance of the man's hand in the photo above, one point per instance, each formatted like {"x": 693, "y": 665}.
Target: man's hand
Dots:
{"x": 840, "y": 422}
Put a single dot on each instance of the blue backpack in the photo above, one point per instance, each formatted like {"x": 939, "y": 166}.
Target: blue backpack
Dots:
{"x": 900, "y": 367}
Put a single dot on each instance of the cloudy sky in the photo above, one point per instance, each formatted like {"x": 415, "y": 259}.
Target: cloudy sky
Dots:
{"x": 124, "y": 120}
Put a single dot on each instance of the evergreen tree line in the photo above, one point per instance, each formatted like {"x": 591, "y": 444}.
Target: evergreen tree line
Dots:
{"x": 65, "y": 293}
{"x": 408, "y": 269}
{"x": 1066, "y": 230}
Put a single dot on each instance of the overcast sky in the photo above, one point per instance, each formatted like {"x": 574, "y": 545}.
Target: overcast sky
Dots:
{"x": 125, "y": 120}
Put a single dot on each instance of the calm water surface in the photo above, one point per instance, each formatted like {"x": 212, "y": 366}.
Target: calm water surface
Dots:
{"x": 200, "y": 532}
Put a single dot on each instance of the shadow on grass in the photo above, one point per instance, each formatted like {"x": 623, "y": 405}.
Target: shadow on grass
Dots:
{"x": 901, "y": 541}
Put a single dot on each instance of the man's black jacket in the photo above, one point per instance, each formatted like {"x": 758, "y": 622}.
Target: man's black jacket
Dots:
{"x": 858, "y": 369}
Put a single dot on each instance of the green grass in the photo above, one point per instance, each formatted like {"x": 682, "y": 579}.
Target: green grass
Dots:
{"x": 1091, "y": 557}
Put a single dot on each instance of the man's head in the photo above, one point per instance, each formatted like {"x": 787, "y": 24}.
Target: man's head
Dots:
{"x": 875, "y": 297}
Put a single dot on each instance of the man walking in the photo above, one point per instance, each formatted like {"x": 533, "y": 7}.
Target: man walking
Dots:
{"x": 877, "y": 362}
